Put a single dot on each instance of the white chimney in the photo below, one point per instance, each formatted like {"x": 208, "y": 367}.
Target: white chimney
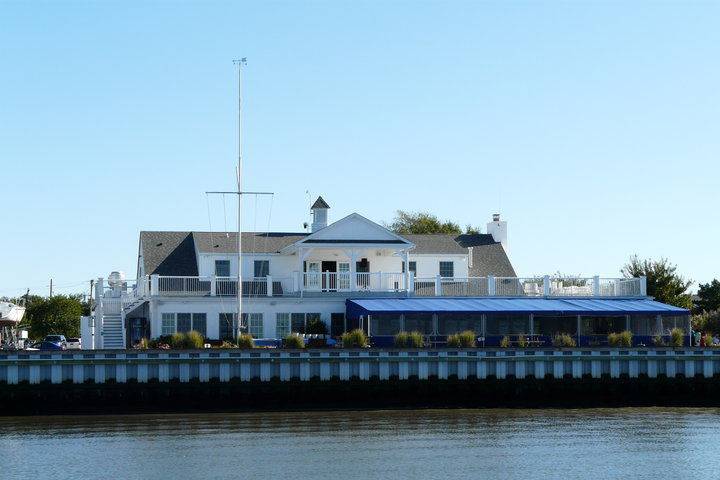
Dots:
{"x": 320, "y": 214}
{"x": 498, "y": 229}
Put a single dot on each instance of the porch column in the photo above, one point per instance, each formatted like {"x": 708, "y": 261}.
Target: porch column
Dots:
{"x": 407, "y": 270}
{"x": 353, "y": 270}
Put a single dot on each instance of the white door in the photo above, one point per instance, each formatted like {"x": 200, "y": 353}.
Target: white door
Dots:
{"x": 312, "y": 276}
{"x": 343, "y": 281}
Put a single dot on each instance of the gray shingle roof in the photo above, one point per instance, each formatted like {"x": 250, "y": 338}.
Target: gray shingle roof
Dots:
{"x": 491, "y": 260}
{"x": 252, "y": 242}
{"x": 173, "y": 253}
{"x": 168, "y": 253}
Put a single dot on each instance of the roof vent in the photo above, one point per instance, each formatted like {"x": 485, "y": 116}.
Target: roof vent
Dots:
{"x": 496, "y": 217}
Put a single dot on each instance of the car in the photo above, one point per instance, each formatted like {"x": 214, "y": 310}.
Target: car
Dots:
{"x": 74, "y": 344}
{"x": 51, "y": 346}
{"x": 58, "y": 340}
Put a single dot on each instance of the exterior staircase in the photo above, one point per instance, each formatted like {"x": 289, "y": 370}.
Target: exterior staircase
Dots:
{"x": 112, "y": 331}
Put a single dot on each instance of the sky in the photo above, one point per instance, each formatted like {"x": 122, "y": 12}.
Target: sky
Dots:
{"x": 592, "y": 127}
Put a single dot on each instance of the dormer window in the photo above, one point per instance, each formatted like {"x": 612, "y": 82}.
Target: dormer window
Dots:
{"x": 222, "y": 268}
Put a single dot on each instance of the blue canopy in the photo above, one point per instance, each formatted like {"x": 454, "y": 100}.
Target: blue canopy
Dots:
{"x": 554, "y": 306}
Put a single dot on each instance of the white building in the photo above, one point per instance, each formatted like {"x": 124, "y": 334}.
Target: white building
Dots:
{"x": 352, "y": 273}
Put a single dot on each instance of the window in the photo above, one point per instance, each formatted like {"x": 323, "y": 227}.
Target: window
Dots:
{"x": 449, "y": 323}
{"x": 447, "y": 269}
{"x": 337, "y": 324}
{"x": 299, "y": 321}
{"x": 255, "y": 324}
{"x": 413, "y": 267}
{"x": 674, "y": 321}
{"x": 262, "y": 268}
{"x": 222, "y": 268}
{"x": 419, "y": 322}
{"x": 507, "y": 323}
{"x": 602, "y": 325}
{"x": 184, "y": 322}
{"x": 168, "y": 324}
{"x": 282, "y": 325}
{"x": 228, "y": 326}
{"x": 384, "y": 324}
{"x": 199, "y": 323}
{"x": 550, "y": 325}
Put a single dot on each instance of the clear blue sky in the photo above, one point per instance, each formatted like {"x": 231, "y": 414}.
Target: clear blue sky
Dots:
{"x": 592, "y": 127}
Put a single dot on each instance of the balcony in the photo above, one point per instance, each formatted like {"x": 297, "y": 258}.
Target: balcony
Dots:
{"x": 301, "y": 284}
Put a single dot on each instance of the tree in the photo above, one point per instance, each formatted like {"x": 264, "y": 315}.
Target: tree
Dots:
{"x": 663, "y": 282}
{"x": 709, "y": 296}
{"x": 708, "y": 322}
{"x": 423, "y": 223}
{"x": 55, "y": 315}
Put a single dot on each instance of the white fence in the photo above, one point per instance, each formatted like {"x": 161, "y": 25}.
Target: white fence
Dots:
{"x": 391, "y": 282}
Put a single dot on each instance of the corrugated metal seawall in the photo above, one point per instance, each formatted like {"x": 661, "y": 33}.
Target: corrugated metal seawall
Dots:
{"x": 333, "y": 365}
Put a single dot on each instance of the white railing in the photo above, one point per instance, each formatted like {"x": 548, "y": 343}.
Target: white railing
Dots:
{"x": 391, "y": 282}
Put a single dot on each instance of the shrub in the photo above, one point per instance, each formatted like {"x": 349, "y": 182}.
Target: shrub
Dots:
{"x": 659, "y": 341}
{"x": 464, "y": 339}
{"x": 505, "y": 342}
{"x": 245, "y": 341}
{"x": 193, "y": 339}
{"x": 708, "y": 340}
{"x": 677, "y": 337}
{"x": 143, "y": 344}
{"x": 622, "y": 339}
{"x": 226, "y": 344}
{"x": 522, "y": 341}
{"x": 293, "y": 341}
{"x": 409, "y": 340}
{"x": 316, "y": 327}
{"x": 563, "y": 340}
{"x": 415, "y": 340}
{"x": 177, "y": 340}
{"x": 354, "y": 339}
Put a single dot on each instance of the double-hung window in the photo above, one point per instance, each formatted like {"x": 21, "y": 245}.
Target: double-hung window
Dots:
{"x": 168, "y": 324}
{"x": 254, "y": 324}
{"x": 222, "y": 268}
{"x": 413, "y": 267}
{"x": 261, "y": 268}
{"x": 184, "y": 322}
{"x": 282, "y": 325}
{"x": 228, "y": 326}
{"x": 447, "y": 269}
{"x": 199, "y": 323}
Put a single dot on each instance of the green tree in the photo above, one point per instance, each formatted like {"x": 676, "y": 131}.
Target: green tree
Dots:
{"x": 663, "y": 281}
{"x": 709, "y": 296}
{"x": 422, "y": 223}
{"x": 55, "y": 315}
{"x": 707, "y": 322}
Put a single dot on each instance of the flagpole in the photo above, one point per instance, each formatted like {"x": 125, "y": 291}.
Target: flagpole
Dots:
{"x": 240, "y": 63}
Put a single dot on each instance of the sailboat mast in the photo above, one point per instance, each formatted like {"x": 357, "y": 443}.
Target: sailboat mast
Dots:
{"x": 240, "y": 63}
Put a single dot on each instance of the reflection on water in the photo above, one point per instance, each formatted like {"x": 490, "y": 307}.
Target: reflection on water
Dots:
{"x": 424, "y": 444}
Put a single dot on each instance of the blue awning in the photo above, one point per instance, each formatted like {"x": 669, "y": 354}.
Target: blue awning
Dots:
{"x": 554, "y": 306}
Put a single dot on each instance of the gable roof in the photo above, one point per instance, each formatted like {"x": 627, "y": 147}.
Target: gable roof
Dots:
{"x": 444, "y": 243}
{"x": 168, "y": 253}
{"x": 491, "y": 260}
{"x": 252, "y": 242}
{"x": 354, "y": 229}
{"x": 320, "y": 203}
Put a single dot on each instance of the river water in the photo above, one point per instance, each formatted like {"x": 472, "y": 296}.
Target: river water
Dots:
{"x": 634, "y": 443}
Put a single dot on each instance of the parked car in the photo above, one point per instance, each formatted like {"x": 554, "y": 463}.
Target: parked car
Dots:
{"x": 58, "y": 340}
{"x": 74, "y": 344}
{"x": 51, "y": 346}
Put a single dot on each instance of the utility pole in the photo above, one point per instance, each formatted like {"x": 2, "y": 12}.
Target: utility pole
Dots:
{"x": 51, "y": 288}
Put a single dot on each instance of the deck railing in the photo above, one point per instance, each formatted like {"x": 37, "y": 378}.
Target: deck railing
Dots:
{"x": 392, "y": 282}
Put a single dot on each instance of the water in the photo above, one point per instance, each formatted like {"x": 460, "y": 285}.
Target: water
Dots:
{"x": 425, "y": 444}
